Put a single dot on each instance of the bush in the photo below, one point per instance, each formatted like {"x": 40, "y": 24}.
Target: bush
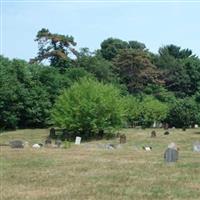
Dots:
{"x": 133, "y": 110}
{"x": 89, "y": 109}
{"x": 184, "y": 113}
{"x": 144, "y": 110}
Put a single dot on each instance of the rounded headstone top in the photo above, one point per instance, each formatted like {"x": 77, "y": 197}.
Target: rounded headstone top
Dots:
{"x": 37, "y": 146}
{"x": 173, "y": 146}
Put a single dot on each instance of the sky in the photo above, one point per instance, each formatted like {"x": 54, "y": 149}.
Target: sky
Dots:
{"x": 154, "y": 23}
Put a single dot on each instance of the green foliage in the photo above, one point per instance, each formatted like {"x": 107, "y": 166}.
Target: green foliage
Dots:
{"x": 55, "y": 48}
{"x": 184, "y": 113}
{"x": 133, "y": 110}
{"x": 136, "y": 45}
{"x": 111, "y": 47}
{"x": 175, "y": 51}
{"x": 144, "y": 110}
{"x": 89, "y": 108}
{"x": 153, "y": 110}
{"x": 169, "y": 80}
{"x": 27, "y": 92}
{"x": 135, "y": 69}
{"x": 160, "y": 93}
{"x": 101, "y": 68}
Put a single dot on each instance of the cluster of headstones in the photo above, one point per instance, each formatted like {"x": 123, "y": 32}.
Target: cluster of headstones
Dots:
{"x": 170, "y": 154}
{"x": 21, "y": 144}
{"x": 48, "y": 143}
{"x": 153, "y": 133}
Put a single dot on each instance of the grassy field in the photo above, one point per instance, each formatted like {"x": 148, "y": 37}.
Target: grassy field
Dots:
{"x": 87, "y": 172}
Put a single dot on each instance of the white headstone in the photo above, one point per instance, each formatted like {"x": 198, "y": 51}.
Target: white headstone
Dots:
{"x": 196, "y": 147}
{"x": 37, "y": 146}
{"x": 78, "y": 140}
{"x": 147, "y": 148}
{"x": 26, "y": 144}
{"x": 196, "y": 126}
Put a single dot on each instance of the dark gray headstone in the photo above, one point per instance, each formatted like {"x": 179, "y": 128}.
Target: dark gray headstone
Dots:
{"x": 52, "y": 133}
{"x": 171, "y": 155}
{"x": 48, "y": 141}
{"x": 16, "y": 144}
{"x": 166, "y": 133}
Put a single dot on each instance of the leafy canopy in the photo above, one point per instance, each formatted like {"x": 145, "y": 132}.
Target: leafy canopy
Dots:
{"x": 89, "y": 109}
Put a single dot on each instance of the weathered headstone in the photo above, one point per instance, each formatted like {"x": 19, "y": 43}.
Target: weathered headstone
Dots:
{"x": 48, "y": 141}
{"x": 196, "y": 147}
{"x": 110, "y": 146}
{"x": 166, "y": 133}
{"x": 16, "y": 144}
{"x": 184, "y": 128}
{"x": 52, "y": 133}
{"x": 153, "y": 134}
{"x": 26, "y": 144}
{"x": 154, "y": 124}
{"x": 41, "y": 145}
{"x": 122, "y": 139}
{"x": 171, "y": 153}
{"x": 78, "y": 140}
{"x": 166, "y": 126}
{"x": 58, "y": 143}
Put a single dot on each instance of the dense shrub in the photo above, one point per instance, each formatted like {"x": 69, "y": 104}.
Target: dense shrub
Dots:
{"x": 89, "y": 109}
{"x": 145, "y": 110}
{"x": 27, "y": 92}
{"x": 184, "y": 113}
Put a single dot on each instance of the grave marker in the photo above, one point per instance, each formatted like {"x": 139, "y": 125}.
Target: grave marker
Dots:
{"x": 78, "y": 140}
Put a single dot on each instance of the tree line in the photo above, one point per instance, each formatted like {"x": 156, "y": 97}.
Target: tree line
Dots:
{"x": 162, "y": 87}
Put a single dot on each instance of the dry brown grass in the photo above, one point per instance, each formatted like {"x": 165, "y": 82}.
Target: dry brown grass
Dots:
{"x": 87, "y": 172}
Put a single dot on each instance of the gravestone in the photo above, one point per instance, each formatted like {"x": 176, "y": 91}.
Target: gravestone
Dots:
{"x": 110, "y": 146}
{"x": 153, "y": 134}
{"x": 184, "y": 128}
{"x": 52, "y": 133}
{"x": 154, "y": 124}
{"x": 26, "y": 144}
{"x": 147, "y": 148}
{"x": 122, "y": 139}
{"x": 41, "y": 145}
{"x": 78, "y": 140}
{"x": 48, "y": 141}
{"x": 173, "y": 146}
{"x": 16, "y": 144}
{"x": 166, "y": 133}
{"x": 196, "y": 147}
{"x": 36, "y": 146}
{"x": 166, "y": 126}
{"x": 171, "y": 153}
{"x": 58, "y": 143}
{"x": 196, "y": 126}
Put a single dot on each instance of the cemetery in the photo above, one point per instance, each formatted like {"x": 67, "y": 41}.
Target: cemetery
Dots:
{"x": 132, "y": 164}
{"x": 99, "y": 100}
